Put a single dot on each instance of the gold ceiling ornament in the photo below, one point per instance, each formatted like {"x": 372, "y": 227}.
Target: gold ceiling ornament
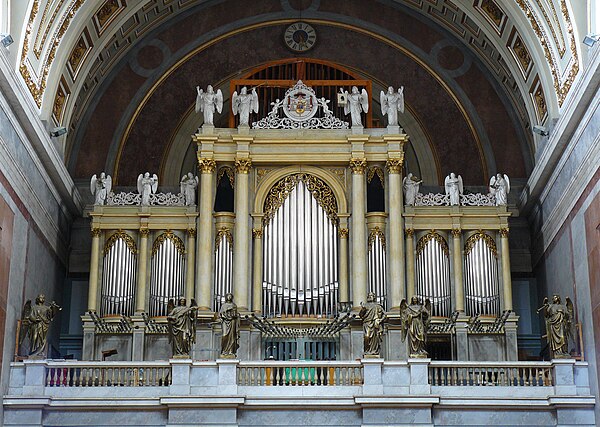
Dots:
{"x": 120, "y": 234}
{"x": 257, "y": 233}
{"x": 432, "y": 235}
{"x": 375, "y": 170}
{"x": 317, "y": 187}
{"x": 144, "y": 232}
{"x": 168, "y": 235}
{"x": 38, "y": 43}
{"x": 96, "y": 232}
{"x": 343, "y": 232}
{"x": 223, "y": 232}
{"x": 456, "y": 232}
{"x": 243, "y": 165}
{"x": 358, "y": 165}
{"x": 409, "y": 232}
{"x": 395, "y": 165}
{"x": 226, "y": 170}
{"x": 481, "y": 235}
{"x": 376, "y": 232}
{"x": 504, "y": 232}
{"x": 206, "y": 165}
{"x": 191, "y": 232}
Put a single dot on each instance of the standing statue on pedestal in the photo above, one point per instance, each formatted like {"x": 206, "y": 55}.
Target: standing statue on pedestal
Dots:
{"x": 559, "y": 325}
{"x": 207, "y": 102}
{"x": 411, "y": 189}
{"x": 356, "y": 102}
{"x": 373, "y": 316}
{"x": 181, "y": 322}
{"x": 100, "y": 188}
{"x": 391, "y": 103}
{"x": 230, "y": 327}
{"x": 500, "y": 187}
{"x": 146, "y": 185}
{"x": 35, "y": 321}
{"x": 415, "y": 321}
{"x": 188, "y": 185}
{"x": 244, "y": 104}
{"x": 454, "y": 188}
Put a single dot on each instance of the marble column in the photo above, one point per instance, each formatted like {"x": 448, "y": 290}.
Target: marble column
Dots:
{"x": 343, "y": 273}
{"x": 395, "y": 244}
{"x": 241, "y": 235}
{"x": 410, "y": 262}
{"x": 94, "y": 267}
{"x": 257, "y": 270}
{"x": 190, "y": 263}
{"x": 506, "y": 277}
{"x": 359, "y": 238}
{"x": 457, "y": 265}
{"x": 140, "y": 293}
{"x": 204, "y": 252}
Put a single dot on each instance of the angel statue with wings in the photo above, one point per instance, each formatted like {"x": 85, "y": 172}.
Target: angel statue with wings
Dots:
{"x": 181, "y": 322}
{"x": 357, "y": 103}
{"x": 209, "y": 101}
{"x": 100, "y": 188}
{"x": 243, "y": 104}
{"x": 35, "y": 323}
{"x": 499, "y": 188}
{"x": 411, "y": 189}
{"x": 391, "y": 103}
{"x": 188, "y": 186}
{"x": 415, "y": 322}
{"x": 559, "y": 325}
{"x": 146, "y": 185}
{"x": 373, "y": 316}
{"x": 454, "y": 188}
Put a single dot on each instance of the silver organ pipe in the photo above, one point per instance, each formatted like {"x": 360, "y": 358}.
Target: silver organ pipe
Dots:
{"x": 481, "y": 275}
{"x": 167, "y": 269}
{"x": 376, "y": 266}
{"x": 433, "y": 273}
{"x": 118, "y": 276}
{"x": 223, "y": 267}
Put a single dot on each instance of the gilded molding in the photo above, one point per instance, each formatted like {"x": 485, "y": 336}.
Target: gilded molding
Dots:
{"x": 358, "y": 165}
{"x": 343, "y": 232}
{"x": 226, "y": 170}
{"x": 168, "y": 235}
{"x": 120, "y": 234}
{"x": 374, "y": 233}
{"x": 375, "y": 170}
{"x": 456, "y": 232}
{"x": 191, "y": 232}
{"x": 223, "y": 232}
{"x": 395, "y": 165}
{"x": 487, "y": 239}
{"x": 206, "y": 165}
{"x": 432, "y": 235}
{"x": 96, "y": 232}
{"x": 409, "y": 232}
{"x": 257, "y": 233}
{"x": 504, "y": 232}
{"x": 243, "y": 165}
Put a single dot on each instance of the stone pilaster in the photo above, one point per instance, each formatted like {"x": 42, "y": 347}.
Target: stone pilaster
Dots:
{"x": 94, "y": 267}
{"x": 506, "y": 277}
{"x": 457, "y": 264}
{"x": 241, "y": 234}
{"x": 359, "y": 238}
{"x": 410, "y": 262}
{"x": 190, "y": 263}
{"x": 140, "y": 294}
{"x": 257, "y": 234}
{"x": 396, "y": 242}
{"x": 204, "y": 251}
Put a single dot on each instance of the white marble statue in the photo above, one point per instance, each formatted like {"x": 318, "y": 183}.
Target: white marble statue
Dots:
{"x": 146, "y": 185}
{"x": 356, "y": 103}
{"x": 411, "y": 189}
{"x": 454, "y": 188}
{"x": 207, "y": 102}
{"x": 391, "y": 103}
{"x": 100, "y": 188}
{"x": 244, "y": 104}
{"x": 500, "y": 187}
{"x": 188, "y": 186}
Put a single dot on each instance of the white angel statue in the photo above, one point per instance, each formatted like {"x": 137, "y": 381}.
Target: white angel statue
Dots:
{"x": 100, "y": 187}
{"x": 500, "y": 187}
{"x": 411, "y": 189}
{"x": 188, "y": 186}
{"x": 391, "y": 103}
{"x": 454, "y": 188}
{"x": 146, "y": 185}
{"x": 357, "y": 102}
{"x": 244, "y": 104}
{"x": 207, "y": 102}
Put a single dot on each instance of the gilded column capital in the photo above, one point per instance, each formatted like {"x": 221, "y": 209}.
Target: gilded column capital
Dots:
{"x": 96, "y": 232}
{"x": 394, "y": 165}
{"x": 504, "y": 232}
{"x": 191, "y": 232}
{"x": 257, "y": 233}
{"x": 206, "y": 165}
{"x": 144, "y": 232}
{"x": 357, "y": 165}
{"x": 343, "y": 232}
{"x": 409, "y": 232}
{"x": 456, "y": 232}
{"x": 243, "y": 165}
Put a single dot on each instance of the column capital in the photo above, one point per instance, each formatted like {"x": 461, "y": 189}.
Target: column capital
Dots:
{"x": 206, "y": 164}
{"x": 358, "y": 165}
{"x": 144, "y": 232}
{"x": 243, "y": 165}
{"x": 395, "y": 165}
{"x": 191, "y": 232}
{"x": 343, "y": 232}
{"x": 504, "y": 232}
{"x": 456, "y": 232}
{"x": 409, "y": 232}
{"x": 257, "y": 233}
{"x": 96, "y": 232}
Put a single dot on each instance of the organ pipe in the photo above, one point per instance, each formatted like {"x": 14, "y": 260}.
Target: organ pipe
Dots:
{"x": 433, "y": 273}
{"x": 118, "y": 275}
{"x": 223, "y": 279}
{"x": 481, "y": 275}
{"x": 167, "y": 269}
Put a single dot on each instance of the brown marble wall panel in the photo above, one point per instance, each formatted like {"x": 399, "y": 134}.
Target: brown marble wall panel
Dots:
{"x": 592, "y": 234}
{"x": 6, "y": 236}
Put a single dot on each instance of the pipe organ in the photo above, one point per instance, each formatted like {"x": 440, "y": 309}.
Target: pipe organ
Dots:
{"x": 167, "y": 272}
{"x": 377, "y": 266}
{"x": 481, "y": 275}
{"x": 118, "y": 275}
{"x": 433, "y": 273}
{"x": 223, "y": 266}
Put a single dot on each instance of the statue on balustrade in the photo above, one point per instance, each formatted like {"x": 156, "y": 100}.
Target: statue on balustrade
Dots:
{"x": 411, "y": 189}
{"x": 35, "y": 323}
{"x": 559, "y": 325}
{"x": 454, "y": 188}
{"x": 415, "y": 321}
{"x": 188, "y": 186}
{"x": 100, "y": 187}
{"x": 373, "y": 317}
{"x": 356, "y": 103}
{"x": 181, "y": 322}
{"x": 230, "y": 327}
{"x": 391, "y": 103}
{"x": 499, "y": 188}
{"x": 207, "y": 102}
{"x": 146, "y": 185}
{"x": 243, "y": 104}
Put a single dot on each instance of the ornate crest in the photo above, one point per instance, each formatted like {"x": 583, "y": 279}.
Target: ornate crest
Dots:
{"x": 300, "y": 102}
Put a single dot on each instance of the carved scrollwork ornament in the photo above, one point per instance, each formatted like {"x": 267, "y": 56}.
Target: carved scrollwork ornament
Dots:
{"x": 376, "y": 232}
{"x": 257, "y": 233}
{"x": 168, "y": 234}
{"x": 227, "y": 170}
{"x": 96, "y": 232}
{"x": 191, "y": 232}
{"x": 375, "y": 170}
{"x": 456, "y": 232}
{"x": 206, "y": 165}
{"x": 432, "y": 235}
{"x": 343, "y": 232}
{"x": 487, "y": 239}
{"x": 504, "y": 232}
{"x": 357, "y": 165}
{"x": 144, "y": 232}
{"x": 223, "y": 232}
{"x": 394, "y": 165}
{"x": 120, "y": 234}
{"x": 243, "y": 165}
{"x": 409, "y": 232}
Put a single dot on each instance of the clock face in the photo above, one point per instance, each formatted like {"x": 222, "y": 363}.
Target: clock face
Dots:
{"x": 300, "y": 37}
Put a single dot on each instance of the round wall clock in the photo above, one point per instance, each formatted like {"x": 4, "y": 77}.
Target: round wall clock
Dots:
{"x": 300, "y": 37}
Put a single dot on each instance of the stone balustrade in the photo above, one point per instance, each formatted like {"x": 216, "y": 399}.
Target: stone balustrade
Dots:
{"x": 299, "y": 373}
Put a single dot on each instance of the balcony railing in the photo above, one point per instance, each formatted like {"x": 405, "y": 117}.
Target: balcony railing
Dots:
{"x": 299, "y": 373}
{"x": 514, "y": 374}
